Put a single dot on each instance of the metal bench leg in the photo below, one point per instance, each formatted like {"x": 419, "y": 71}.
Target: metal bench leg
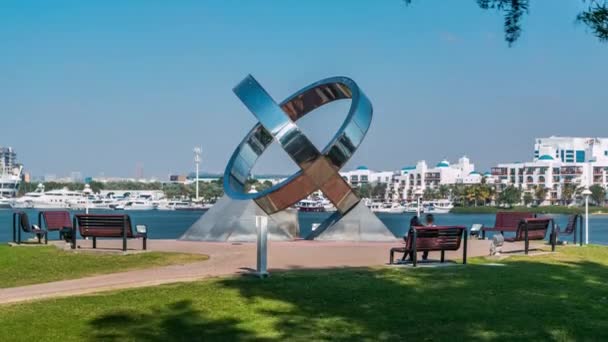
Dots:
{"x": 553, "y": 236}
{"x": 74, "y": 223}
{"x": 94, "y": 242}
{"x": 46, "y": 238}
{"x": 527, "y": 242}
{"x": 390, "y": 258}
{"x": 414, "y": 249}
{"x": 464, "y": 248}
{"x": 124, "y": 234}
{"x": 14, "y": 227}
{"x": 580, "y": 230}
{"x": 442, "y": 255}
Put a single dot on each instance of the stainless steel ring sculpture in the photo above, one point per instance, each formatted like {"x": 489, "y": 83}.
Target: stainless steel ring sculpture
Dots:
{"x": 318, "y": 170}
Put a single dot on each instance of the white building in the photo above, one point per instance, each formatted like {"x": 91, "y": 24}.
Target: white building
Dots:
{"x": 421, "y": 176}
{"x": 402, "y": 184}
{"x": 557, "y": 161}
{"x": 363, "y": 175}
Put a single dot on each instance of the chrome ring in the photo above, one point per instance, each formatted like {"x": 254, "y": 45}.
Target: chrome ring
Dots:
{"x": 318, "y": 170}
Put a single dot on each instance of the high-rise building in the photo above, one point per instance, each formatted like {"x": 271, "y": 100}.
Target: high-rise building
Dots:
{"x": 10, "y": 172}
{"x": 8, "y": 160}
{"x": 139, "y": 170}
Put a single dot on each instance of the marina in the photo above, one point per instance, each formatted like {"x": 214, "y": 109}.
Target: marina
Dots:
{"x": 171, "y": 224}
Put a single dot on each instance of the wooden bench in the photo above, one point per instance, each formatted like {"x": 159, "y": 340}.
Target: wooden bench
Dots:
{"x": 432, "y": 239}
{"x": 533, "y": 229}
{"x": 506, "y": 221}
{"x": 21, "y": 222}
{"x": 55, "y": 221}
{"x": 107, "y": 226}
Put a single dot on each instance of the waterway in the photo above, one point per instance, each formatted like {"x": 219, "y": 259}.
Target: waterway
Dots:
{"x": 172, "y": 224}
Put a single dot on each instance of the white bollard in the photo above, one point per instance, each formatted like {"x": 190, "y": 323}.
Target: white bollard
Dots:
{"x": 261, "y": 223}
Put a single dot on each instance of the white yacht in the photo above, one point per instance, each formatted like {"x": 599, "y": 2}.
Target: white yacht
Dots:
{"x": 6, "y": 203}
{"x": 442, "y": 206}
{"x": 103, "y": 203}
{"x": 412, "y": 207}
{"x": 54, "y": 199}
{"x": 390, "y": 208}
{"x": 137, "y": 204}
{"x": 174, "y": 205}
{"x": 310, "y": 205}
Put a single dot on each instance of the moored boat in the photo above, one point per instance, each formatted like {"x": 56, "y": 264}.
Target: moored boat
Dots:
{"x": 310, "y": 206}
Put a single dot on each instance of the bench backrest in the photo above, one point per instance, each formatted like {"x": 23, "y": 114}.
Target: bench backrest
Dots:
{"x": 57, "y": 220}
{"x": 537, "y": 229}
{"x": 509, "y": 219}
{"x": 24, "y": 222}
{"x": 98, "y": 225}
{"x": 447, "y": 238}
{"x": 572, "y": 222}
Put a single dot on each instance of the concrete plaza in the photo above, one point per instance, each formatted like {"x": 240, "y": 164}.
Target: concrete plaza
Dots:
{"x": 228, "y": 259}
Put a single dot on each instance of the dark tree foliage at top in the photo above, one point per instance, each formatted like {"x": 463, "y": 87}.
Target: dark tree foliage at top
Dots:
{"x": 595, "y": 17}
{"x": 513, "y": 11}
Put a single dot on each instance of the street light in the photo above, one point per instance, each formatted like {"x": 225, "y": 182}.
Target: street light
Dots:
{"x": 586, "y": 193}
{"x": 418, "y": 194}
{"x": 197, "y": 160}
{"x": 86, "y": 192}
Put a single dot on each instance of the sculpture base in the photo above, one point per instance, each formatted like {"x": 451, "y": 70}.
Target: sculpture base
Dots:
{"x": 234, "y": 221}
{"x": 359, "y": 224}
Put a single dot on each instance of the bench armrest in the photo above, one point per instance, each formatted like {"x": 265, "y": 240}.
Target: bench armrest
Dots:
{"x": 141, "y": 229}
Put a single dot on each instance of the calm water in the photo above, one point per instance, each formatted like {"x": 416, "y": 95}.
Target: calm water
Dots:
{"x": 171, "y": 224}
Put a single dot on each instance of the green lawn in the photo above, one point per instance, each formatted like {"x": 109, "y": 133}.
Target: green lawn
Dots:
{"x": 556, "y": 297}
{"x": 31, "y": 265}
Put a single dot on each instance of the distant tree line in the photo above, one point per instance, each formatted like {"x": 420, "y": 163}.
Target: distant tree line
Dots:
{"x": 209, "y": 191}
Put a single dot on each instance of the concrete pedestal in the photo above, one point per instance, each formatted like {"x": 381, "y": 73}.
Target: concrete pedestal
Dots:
{"x": 234, "y": 221}
{"x": 359, "y": 224}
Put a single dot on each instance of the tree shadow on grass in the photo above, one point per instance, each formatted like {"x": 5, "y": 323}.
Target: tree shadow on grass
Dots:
{"x": 523, "y": 300}
{"x": 178, "y": 321}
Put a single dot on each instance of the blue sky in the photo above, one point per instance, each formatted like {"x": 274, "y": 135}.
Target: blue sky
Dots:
{"x": 99, "y": 86}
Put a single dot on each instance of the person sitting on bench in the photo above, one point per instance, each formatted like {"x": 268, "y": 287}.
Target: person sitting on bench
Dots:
{"x": 430, "y": 222}
{"x": 414, "y": 222}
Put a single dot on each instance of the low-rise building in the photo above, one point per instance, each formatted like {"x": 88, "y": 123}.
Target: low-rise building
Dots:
{"x": 363, "y": 175}
{"x": 420, "y": 177}
{"x": 558, "y": 162}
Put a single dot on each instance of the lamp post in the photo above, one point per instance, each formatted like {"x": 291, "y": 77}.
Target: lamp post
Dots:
{"x": 586, "y": 193}
{"x": 86, "y": 192}
{"x": 418, "y": 194}
{"x": 197, "y": 160}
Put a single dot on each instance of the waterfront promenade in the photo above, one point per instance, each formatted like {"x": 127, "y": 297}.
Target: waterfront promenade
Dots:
{"x": 229, "y": 259}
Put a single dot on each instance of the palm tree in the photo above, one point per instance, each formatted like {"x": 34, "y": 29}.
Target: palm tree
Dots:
{"x": 443, "y": 191}
{"x": 471, "y": 194}
{"x": 429, "y": 194}
{"x": 458, "y": 192}
{"x": 598, "y": 194}
{"x": 482, "y": 193}
{"x": 528, "y": 198}
{"x": 568, "y": 191}
{"x": 540, "y": 193}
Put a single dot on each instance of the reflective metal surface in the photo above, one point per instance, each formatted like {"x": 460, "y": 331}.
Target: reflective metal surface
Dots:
{"x": 318, "y": 169}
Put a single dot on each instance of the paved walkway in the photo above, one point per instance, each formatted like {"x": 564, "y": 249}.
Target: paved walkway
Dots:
{"x": 226, "y": 259}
